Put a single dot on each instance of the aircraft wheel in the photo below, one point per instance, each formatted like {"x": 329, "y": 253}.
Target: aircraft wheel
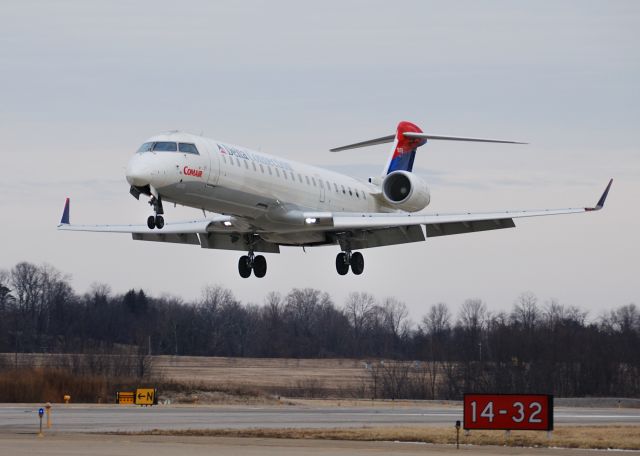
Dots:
{"x": 159, "y": 221}
{"x": 341, "y": 265}
{"x": 357, "y": 263}
{"x": 151, "y": 222}
{"x": 259, "y": 266}
{"x": 244, "y": 266}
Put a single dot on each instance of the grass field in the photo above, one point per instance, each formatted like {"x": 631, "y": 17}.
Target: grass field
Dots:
{"x": 591, "y": 437}
{"x": 328, "y": 375}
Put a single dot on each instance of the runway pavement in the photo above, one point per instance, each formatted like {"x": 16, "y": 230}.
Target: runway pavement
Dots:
{"x": 112, "y": 418}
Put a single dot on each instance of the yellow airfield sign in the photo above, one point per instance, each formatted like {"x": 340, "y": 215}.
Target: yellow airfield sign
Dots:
{"x": 145, "y": 396}
{"x": 125, "y": 397}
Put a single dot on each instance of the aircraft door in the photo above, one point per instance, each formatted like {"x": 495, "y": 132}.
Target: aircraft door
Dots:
{"x": 322, "y": 189}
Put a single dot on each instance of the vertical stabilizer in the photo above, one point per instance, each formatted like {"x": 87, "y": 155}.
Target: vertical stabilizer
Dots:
{"x": 404, "y": 149}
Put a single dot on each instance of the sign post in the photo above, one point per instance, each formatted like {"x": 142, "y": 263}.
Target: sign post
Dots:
{"x": 529, "y": 412}
{"x": 40, "y": 414}
{"x": 47, "y": 406}
{"x": 457, "y": 434}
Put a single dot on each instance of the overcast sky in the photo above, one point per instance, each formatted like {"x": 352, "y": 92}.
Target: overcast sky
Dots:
{"x": 82, "y": 84}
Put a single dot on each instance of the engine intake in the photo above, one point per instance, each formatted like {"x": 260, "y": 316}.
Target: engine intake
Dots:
{"x": 405, "y": 191}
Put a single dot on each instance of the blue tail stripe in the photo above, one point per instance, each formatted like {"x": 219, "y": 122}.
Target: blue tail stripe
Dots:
{"x": 402, "y": 162}
{"x": 65, "y": 214}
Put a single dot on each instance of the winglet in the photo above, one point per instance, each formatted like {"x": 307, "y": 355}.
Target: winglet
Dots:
{"x": 65, "y": 214}
{"x": 603, "y": 198}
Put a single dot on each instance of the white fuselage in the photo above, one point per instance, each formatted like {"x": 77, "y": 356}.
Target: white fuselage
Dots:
{"x": 228, "y": 179}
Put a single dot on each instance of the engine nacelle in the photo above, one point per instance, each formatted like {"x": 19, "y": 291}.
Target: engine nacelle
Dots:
{"x": 405, "y": 191}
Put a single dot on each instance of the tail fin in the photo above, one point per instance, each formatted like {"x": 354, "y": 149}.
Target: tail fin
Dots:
{"x": 404, "y": 148}
{"x": 65, "y": 213}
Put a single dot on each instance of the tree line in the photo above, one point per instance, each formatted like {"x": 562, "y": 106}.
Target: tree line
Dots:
{"x": 535, "y": 347}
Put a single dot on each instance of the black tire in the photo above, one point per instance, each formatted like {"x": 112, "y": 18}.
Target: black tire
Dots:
{"x": 159, "y": 221}
{"x": 244, "y": 266}
{"x": 357, "y": 263}
{"x": 151, "y": 222}
{"x": 259, "y": 266}
{"x": 341, "y": 265}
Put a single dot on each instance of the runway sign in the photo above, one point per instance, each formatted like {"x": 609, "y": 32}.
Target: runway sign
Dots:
{"x": 531, "y": 412}
{"x": 125, "y": 397}
{"x": 145, "y": 396}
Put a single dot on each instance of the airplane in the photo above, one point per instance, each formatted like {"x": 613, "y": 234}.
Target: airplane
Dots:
{"x": 262, "y": 202}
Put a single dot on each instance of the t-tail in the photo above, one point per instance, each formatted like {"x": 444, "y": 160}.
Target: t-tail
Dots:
{"x": 403, "y": 153}
{"x": 406, "y": 140}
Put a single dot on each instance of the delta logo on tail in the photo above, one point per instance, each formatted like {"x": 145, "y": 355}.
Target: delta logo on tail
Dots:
{"x": 404, "y": 152}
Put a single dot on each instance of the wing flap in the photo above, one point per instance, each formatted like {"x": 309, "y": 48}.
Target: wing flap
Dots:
{"x": 177, "y": 238}
{"x": 446, "y": 229}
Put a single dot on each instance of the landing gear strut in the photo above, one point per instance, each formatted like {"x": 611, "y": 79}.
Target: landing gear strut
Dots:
{"x": 347, "y": 259}
{"x": 156, "y": 221}
{"x": 251, "y": 262}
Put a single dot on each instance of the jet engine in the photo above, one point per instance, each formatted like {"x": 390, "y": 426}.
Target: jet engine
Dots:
{"x": 406, "y": 191}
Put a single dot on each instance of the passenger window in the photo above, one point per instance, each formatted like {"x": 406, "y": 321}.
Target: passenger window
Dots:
{"x": 314, "y": 181}
{"x": 165, "y": 147}
{"x": 224, "y": 159}
{"x": 254, "y": 166}
{"x": 146, "y": 147}
{"x": 246, "y": 164}
{"x": 188, "y": 148}
{"x": 270, "y": 171}
{"x": 350, "y": 193}
{"x": 357, "y": 194}
{"x": 238, "y": 162}
{"x": 328, "y": 186}
{"x": 343, "y": 190}
{"x": 321, "y": 183}
{"x": 335, "y": 186}
{"x": 300, "y": 178}
{"x": 284, "y": 173}
{"x": 293, "y": 177}
{"x": 261, "y": 168}
{"x": 277, "y": 172}
{"x": 307, "y": 178}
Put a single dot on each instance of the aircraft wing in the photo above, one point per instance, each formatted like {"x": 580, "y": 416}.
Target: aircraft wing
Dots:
{"x": 366, "y": 229}
{"x": 188, "y": 227}
{"x": 379, "y": 229}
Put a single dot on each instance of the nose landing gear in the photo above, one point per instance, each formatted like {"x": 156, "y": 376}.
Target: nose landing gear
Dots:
{"x": 156, "y": 221}
{"x": 346, "y": 259}
{"x": 250, "y": 262}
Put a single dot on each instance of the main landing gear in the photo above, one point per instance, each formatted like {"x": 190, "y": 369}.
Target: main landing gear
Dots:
{"x": 346, "y": 259}
{"x": 157, "y": 220}
{"x": 250, "y": 262}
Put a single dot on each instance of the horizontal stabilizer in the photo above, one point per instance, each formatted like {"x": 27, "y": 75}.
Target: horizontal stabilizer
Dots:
{"x": 417, "y": 135}
{"x": 459, "y": 138}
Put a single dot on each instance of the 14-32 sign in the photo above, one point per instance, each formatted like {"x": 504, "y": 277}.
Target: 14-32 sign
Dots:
{"x": 533, "y": 412}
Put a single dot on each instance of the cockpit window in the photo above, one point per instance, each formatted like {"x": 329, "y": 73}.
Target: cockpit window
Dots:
{"x": 165, "y": 147}
{"x": 146, "y": 147}
{"x": 188, "y": 148}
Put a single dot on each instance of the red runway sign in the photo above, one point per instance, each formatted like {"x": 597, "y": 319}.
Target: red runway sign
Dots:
{"x": 532, "y": 412}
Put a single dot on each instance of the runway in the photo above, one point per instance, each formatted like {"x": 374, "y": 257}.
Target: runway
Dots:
{"x": 113, "y": 418}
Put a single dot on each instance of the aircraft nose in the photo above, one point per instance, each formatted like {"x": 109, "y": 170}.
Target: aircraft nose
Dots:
{"x": 138, "y": 172}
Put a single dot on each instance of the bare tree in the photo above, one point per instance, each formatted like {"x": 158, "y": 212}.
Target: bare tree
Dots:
{"x": 525, "y": 311}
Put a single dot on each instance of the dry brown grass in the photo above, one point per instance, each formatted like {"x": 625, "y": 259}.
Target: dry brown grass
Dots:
{"x": 593, "y": 437}
{"x": 287, "y": 377}
{"x": 50, "y": 385}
